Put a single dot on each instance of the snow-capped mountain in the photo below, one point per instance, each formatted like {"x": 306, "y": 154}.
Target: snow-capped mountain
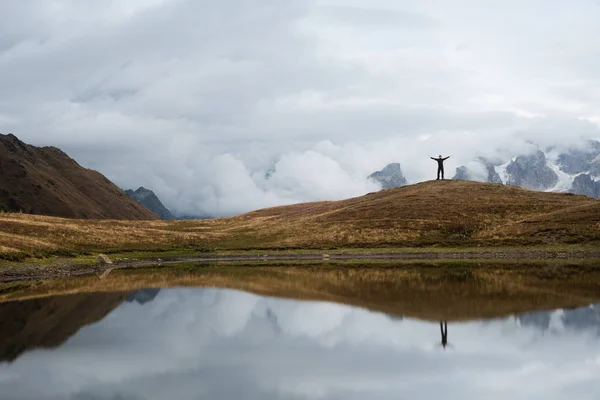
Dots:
{"x": 575, "y": 170}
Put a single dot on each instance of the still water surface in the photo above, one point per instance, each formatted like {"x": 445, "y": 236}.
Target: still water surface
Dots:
{"x": 226, "y": 344}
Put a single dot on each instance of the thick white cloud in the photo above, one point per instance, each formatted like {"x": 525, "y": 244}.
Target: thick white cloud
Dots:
{"x": 228, "y": 345}
{"x": 200, "y": 100}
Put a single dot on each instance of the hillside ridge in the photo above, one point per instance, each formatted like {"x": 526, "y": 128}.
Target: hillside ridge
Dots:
{"x": 46, "y": 181}
{"x": 435, "y": 213}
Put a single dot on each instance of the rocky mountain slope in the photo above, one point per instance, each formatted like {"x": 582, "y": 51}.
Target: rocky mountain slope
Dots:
{"x": 148, "y": 199}
{"x": 46, "y": 181}
{"x": 389, "y": 177}
{"x": 574, "y": 170}
{"x": 584, "y": 184}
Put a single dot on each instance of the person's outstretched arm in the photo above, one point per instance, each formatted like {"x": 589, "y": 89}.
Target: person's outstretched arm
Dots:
{"x": 433, "y": 158}
{"x": 447, "y": 158}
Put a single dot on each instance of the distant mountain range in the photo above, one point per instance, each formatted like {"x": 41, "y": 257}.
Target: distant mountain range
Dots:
{"x": 44, "y": 180}
{"x": 148, "y": 199}
{"x": 574, "y": 170}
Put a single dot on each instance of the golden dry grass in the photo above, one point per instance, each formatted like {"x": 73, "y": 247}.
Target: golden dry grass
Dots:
{"x": 446, "y": 213}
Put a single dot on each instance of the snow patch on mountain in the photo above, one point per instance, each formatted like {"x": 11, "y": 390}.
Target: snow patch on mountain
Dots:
{"x": 565, "y": 181}
{"x": 501, "y": 170}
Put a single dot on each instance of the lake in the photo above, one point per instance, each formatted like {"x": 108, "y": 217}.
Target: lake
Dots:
{"x": 213, "y": 343}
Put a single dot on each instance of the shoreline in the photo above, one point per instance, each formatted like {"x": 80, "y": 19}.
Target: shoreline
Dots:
{"x": 64, "y": 268}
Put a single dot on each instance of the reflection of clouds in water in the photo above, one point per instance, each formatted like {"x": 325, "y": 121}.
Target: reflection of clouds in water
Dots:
{"x": 228, "y": 344}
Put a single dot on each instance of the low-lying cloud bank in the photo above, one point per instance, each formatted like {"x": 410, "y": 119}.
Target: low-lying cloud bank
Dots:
{"x": 229, "y": 106}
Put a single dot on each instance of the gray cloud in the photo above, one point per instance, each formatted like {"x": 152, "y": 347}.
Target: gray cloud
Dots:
{"x": 373, "y": 18}
{"x": 198, "y": 100}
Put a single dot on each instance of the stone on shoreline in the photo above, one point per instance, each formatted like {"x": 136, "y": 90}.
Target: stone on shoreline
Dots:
{"x": 103, "y": 259}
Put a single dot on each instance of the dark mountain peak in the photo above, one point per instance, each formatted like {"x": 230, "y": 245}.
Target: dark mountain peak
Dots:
{"x": 536, "y": 158}
{"x": 13, "y": 145}
{"x": 584, "y": 184}
{"x": 45, "y": 180}
{"x": 390, "y": 176}
{"x": 9, "y": 137}
{"x": 462, "y": 174}
{"x": 581, "y": 159}
{"x": 392, "y": 168}
{"x": 148, "y": 199}
{"x": 143, "y": 193}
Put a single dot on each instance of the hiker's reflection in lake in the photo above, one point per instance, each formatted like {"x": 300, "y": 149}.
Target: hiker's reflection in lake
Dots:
{"x": 444, "y": 331}
{"x": 224, "y": 344}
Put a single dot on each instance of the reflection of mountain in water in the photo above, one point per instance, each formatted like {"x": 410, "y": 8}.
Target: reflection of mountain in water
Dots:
{"x": 143, "y": 296}
{"x": 271, "y": 317}
{"x": 228, "y": 344}
{"x": 50, "y": 321}
{"x": 577, "y": 319}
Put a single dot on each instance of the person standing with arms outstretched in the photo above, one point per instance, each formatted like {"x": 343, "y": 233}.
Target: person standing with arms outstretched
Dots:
{"x": 440, "y": 162}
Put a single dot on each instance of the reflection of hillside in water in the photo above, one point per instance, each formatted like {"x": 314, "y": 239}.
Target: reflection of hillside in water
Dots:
{"x": 49, "y": 321}
{"x": 231, "y": 344}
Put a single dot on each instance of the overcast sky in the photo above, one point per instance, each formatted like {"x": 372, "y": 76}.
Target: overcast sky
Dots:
{"x": 223, "y": 344}
{"x": 198, "y": 100}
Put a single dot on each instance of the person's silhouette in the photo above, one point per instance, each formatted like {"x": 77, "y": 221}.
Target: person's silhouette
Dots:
{"x": 440, "y": 162}
{"x": 444, "y": 329}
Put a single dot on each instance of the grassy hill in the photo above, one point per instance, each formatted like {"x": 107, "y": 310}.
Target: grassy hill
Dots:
{"x": 46, "y": 181}
{"x": 435, "y": 213}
